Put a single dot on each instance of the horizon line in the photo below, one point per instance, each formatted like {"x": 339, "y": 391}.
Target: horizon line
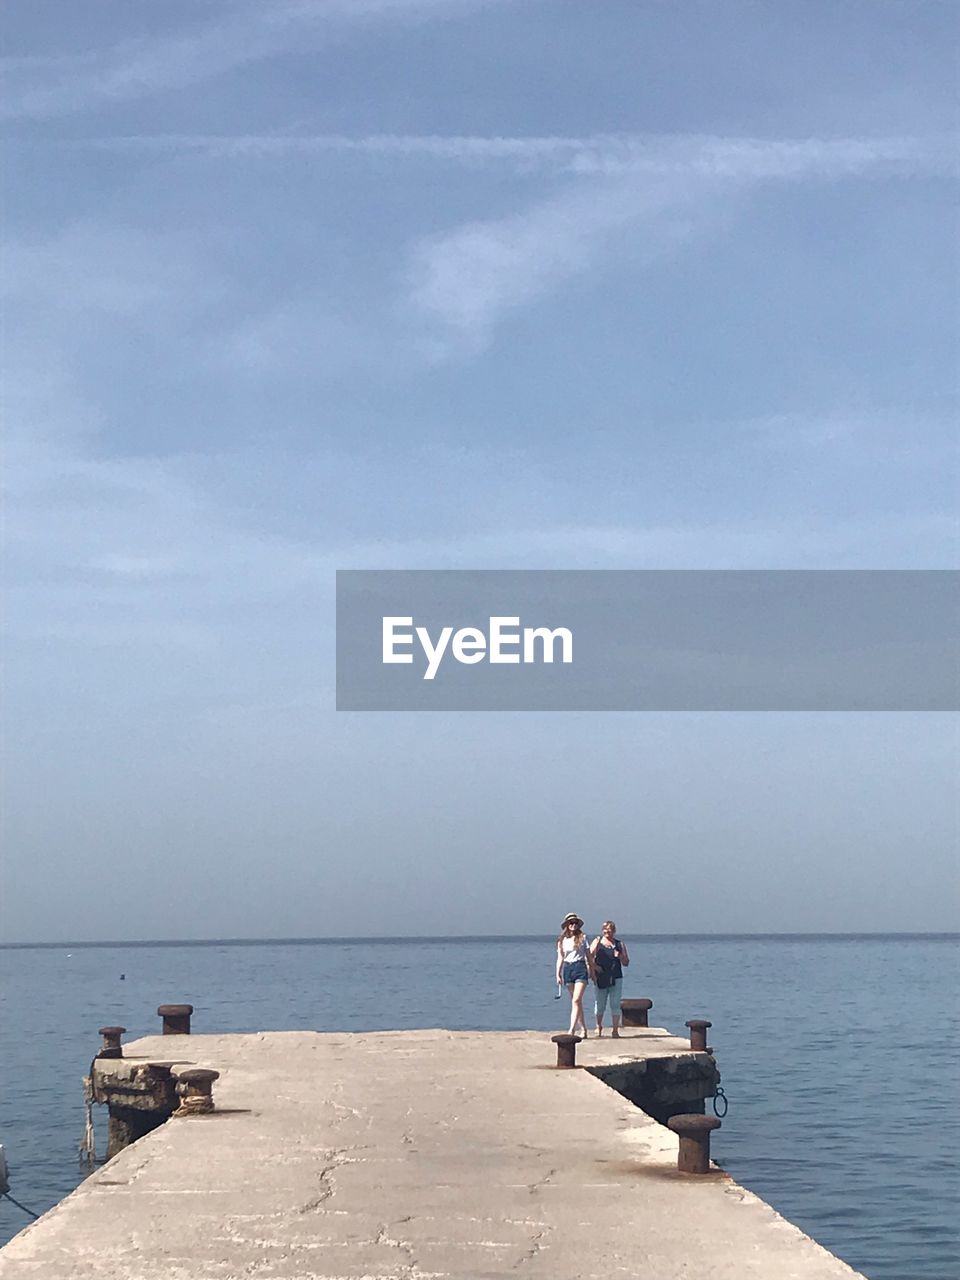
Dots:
{"x": 379, "y": 939}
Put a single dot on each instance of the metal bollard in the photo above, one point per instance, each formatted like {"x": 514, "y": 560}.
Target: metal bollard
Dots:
{"x": 195, "y": 1087}
{"x": 694, "y": 1131}
{"x": 111, "y": 1047}
{"x": 176, "y": 1019}
{"x": 566, "y": 1049}
{"x": 698, "y": 1034}
{"x": 635, "y": 1012}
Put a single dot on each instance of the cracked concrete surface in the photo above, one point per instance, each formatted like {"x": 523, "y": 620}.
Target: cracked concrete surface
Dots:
{"x": 415, "y": 1155}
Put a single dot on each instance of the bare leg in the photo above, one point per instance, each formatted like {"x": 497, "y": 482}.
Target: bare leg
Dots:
{"x": 571, "y": 987}
{"x": 576, "y": 1007}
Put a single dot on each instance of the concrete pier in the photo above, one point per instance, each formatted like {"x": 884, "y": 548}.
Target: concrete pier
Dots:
{"x": 408, "y": 1156}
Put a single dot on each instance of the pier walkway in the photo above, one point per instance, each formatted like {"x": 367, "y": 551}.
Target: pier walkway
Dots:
{"x": 409, "y": 1155}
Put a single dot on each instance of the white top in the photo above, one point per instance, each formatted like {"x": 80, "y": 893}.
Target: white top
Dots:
{"x": 571, "y": 950}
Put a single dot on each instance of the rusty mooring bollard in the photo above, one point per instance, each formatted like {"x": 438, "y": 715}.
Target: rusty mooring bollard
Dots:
{"x": 698, "y": 1034}
{"x": 111, "y": 1042}
{"x": 176, "y": 1019}
{"x": 635, "y": 1012}
{"x": 566, "y": 1049}
{"x": 195, "y": 1087}
{"x": 694, "y": 1131}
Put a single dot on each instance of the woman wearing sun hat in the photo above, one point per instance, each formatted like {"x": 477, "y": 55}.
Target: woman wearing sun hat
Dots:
{"x": 574, "y": 966}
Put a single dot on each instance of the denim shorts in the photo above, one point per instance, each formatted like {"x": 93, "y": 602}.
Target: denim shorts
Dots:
{"x": 611, "y": 994}
{"x": 574, "y": 971}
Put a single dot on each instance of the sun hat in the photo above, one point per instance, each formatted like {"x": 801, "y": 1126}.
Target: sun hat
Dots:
{"x": 571, "y": 915}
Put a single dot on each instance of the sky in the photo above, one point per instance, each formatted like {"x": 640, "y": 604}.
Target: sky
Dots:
{"x": 322, "y": 284}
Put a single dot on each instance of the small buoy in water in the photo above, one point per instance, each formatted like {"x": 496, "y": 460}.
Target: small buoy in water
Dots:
{"x": 122, "y": 976}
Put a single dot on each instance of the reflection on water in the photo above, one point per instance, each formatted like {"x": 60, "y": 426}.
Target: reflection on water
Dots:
{"x": 838, "y": 1055}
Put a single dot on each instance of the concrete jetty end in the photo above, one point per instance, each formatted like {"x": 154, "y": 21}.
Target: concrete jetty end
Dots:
{"x": 406, "y": 1156}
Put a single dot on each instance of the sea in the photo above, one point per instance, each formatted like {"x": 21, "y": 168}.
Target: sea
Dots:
{"x": 838, "y": 1053}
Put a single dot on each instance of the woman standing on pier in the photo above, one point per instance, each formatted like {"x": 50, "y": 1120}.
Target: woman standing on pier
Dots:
{"x": 609, "y": 958}
{"x": 574, "y": 967}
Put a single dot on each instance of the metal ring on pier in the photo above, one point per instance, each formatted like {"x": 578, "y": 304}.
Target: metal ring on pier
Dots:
{"x": 694, "y": 1131}
{"x": 566, "y": 1049}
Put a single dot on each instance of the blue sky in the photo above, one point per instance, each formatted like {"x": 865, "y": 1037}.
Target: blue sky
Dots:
{"x": 321, "y": 284}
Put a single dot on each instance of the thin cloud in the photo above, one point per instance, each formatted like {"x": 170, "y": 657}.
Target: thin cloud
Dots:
{"x": 46, "y": 87}
{"x": 126, "y": 566}
{"x": 762, "y": 158}
{"x": 88, "y": 533}
{"x": 469, "y": 277}
{"x": 458, "y": 284}
{"x": 119, "y": 271}
{"x": 604, "y": 155}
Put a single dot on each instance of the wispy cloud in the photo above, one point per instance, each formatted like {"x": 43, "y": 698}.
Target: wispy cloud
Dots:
{"x": 759, "y": 158}
{"x": 469, "y": 277}
{"x": 645, "y": 193}
{"x": 908, "y": 439}
{"x": 464, "y": 280}
{"x": 46, "y": 87}
{"x": 119, "y": 271}
{"x": 127, "y": 566}
{"x": 598, "y": 154}
{"x": 655, "y": 187}
{"x": 107, "y": 549}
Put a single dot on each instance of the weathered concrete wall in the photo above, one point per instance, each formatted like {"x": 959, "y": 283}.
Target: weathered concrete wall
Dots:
{"x": 139, "y": 1096}
{"x": 663, "y": 1087}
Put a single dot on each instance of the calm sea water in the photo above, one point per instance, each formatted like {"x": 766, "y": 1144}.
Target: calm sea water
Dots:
{"x": 838, "y": 1054}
